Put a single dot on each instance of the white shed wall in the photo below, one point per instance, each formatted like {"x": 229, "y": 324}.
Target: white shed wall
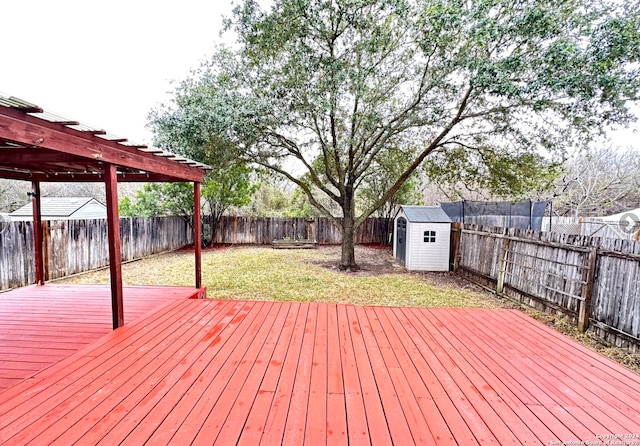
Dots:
{"x": 422, "y": 256}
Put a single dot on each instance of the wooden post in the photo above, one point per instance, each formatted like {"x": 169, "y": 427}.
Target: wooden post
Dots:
{"x": 115, "y": 251}
{"x": 37, "y": 233}
{"x": 46, "y": 236}
{"x": 504, "y": 254}
{"x": 197, "y": 233}
{"x": 311, "y": 229}
{"x": 235, "y": 230}
{"x": 456, "y": 238}
{"x": 587, "y": 290}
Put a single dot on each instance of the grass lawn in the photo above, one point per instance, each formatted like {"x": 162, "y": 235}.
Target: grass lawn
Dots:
{"x": 260, "y": 273}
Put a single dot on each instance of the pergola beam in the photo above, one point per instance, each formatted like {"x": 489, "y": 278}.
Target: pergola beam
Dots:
{"x": 70, "y": 177}
{"x": 34, "y": 132}
{"x": 21, "y": 156}
{"x": 38, "y": 150}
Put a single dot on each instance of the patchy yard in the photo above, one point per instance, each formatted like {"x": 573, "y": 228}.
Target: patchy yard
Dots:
{"x": 261, "y": 273}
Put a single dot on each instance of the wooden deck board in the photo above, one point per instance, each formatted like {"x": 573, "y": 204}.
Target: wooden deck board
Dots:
{"x": 297, "y": 413}
{"x": 40, "y": 325}
{"x": 274, "y": 426}
{"x": 87, "y": 384}
{"x": 440, "y": 391}
{"x": 142, "y": 419}
{"x": 357, "y": 428}
{"x": 260, "y": 409}
{"x": 229, "y": 372}
{"x": 561, "y": 388}
{"x": 379, "y": 432}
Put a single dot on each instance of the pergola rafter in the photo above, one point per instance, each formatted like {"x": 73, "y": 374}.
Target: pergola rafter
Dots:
{"x": 39, "y": 146}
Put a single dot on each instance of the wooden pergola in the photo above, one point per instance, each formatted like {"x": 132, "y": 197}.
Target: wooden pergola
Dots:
{"x": 39, "y": 146}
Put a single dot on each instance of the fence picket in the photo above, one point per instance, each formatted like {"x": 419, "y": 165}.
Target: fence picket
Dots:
{"x": 560, "y": 272}
{"x": 73, "y": 246}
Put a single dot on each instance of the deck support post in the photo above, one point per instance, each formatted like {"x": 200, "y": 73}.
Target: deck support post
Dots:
{"x": 115, "y": 252}
{"x": 37, "y": 233}
{"x": 197, "y": 233}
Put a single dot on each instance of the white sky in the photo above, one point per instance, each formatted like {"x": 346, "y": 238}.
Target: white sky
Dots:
{"x": 106, "y": 64}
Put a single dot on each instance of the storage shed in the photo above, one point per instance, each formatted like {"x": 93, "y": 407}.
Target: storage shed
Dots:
{"x": 422, "y": 238}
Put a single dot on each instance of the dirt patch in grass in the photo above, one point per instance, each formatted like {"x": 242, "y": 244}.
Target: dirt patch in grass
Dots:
{"x": 312, "y": 275}
{"x": 373, "y": 261}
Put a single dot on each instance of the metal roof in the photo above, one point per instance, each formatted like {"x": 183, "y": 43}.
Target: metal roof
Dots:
{"x": 56, "y": 206}
{"x": 77, "y": 166}
{"x": 621, "y": 217}
{"x": 425, "y": 214}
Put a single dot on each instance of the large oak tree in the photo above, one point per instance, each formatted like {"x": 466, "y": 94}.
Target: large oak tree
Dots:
{"x": 319, "y": 90}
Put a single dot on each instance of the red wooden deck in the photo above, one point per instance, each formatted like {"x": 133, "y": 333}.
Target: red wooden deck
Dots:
{"x": 237, "y": 372}
{"x": 40, "y": 325}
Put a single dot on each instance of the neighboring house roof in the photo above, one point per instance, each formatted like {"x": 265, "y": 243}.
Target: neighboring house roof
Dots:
{"x": 618, "y": 217}
{"x": 61, "y": 207}
{"x": 426, "y": 214}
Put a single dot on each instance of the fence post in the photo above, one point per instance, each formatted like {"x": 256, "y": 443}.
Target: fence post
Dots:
{"x": 587, "y": 290}
{"x": 311, "y": 229}
{"x": 456, "y": 238}
{"x": 46, "y": 236}
{"x": 502, "y": 268}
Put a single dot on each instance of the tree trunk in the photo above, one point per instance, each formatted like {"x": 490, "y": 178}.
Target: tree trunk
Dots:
{"x": 348, "y": 258}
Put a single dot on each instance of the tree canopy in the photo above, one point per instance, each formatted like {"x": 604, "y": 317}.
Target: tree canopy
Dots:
{"x": 597, "y": 182}
{"x": 321, "y": 91}
{"x": 159, "y": 200}
{"x": 222, "y": 188}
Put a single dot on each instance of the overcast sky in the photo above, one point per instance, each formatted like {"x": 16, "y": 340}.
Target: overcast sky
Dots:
{"x": 106, "y": 64}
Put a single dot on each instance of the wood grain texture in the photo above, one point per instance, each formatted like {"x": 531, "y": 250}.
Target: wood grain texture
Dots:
{"x": 594, "y": 280}
{"x": 41, "y": 325}
{"x": 74, "y": 246}
{"x": 238, "y": 372}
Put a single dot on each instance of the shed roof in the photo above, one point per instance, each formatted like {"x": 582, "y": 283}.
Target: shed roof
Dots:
{"x": 425, "y": 214}
{"x": 56, "y": 206}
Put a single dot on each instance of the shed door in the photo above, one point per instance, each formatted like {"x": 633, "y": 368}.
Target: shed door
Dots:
{"x": 401, "y": 244}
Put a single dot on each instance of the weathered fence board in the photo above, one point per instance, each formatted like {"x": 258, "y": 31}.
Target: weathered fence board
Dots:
{"x": 591, "y": 227}
{"x": 262, "y": 231}
{"x": 16, "y": 254}
{"x": 590, "y": 279}
{"x": 73, "y": 246}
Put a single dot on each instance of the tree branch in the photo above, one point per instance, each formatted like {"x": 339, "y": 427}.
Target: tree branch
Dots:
{"x": 306, "y": 189}
{"x": 434, "y": 144}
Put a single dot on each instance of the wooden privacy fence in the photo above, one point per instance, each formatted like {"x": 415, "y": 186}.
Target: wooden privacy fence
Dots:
{"x": 593, "y": 280}
{"x": 73, "y": 246}
{"x": 262, "y": 231}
